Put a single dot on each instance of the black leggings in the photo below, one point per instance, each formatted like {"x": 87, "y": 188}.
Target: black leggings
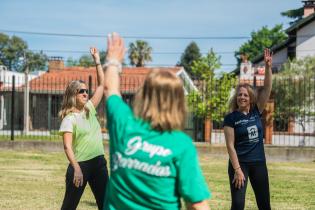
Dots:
{"x": 95, "y": 173}
{"x": 258, "y": 176}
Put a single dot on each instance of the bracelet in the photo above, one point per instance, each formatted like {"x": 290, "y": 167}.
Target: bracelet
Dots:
{"x": 237, "y": 168}
{"x": 113, "y": 62}
{"x": 96, "y": 64}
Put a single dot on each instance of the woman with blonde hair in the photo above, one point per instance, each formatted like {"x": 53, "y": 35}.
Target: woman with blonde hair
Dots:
{"x": 82, "y": 140}
{"x": 153, "y": 163}
{"x": 244, "y": 140}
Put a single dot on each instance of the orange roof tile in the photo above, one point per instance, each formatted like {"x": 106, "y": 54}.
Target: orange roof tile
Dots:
{"x": 57, "y": 80}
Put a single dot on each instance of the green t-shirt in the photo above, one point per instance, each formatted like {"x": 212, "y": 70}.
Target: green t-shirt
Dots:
{"x": 149, "y": 169}
{"x": 87, "y": 140}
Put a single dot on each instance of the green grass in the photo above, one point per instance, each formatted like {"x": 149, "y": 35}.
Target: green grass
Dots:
{"x": 31, "y": 138}
{"x": 33, "y": 180}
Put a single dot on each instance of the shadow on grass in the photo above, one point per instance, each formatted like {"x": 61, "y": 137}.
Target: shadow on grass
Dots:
{"x": 89, "y": 203}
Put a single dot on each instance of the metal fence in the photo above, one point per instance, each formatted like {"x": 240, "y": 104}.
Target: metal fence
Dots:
{"x": 290, "y": 112}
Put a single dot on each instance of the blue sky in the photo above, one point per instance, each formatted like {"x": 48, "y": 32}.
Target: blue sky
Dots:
{"x": 142, "y": 18}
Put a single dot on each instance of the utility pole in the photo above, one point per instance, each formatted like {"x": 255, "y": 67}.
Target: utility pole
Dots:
{"x": 26, "y": 99}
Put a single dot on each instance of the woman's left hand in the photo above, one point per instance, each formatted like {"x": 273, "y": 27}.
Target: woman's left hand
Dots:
{"x": 239, "y": 178}
{"x": 268, "y": 58}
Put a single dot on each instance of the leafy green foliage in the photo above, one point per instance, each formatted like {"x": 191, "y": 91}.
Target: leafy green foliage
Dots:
{"x": 294, "y": 90}
{"x": 12, "y": 52}
{"x": 261, "y": 39}
{"x": 36, "y": 61}
{"x": 211, "y": 101}
{"x": 139, "y": 53}
{"x": 85, "y": 60}
{"x": 72, "y": 62}
{"x": 296, "y": 14}
{"x": 191, "y": 54}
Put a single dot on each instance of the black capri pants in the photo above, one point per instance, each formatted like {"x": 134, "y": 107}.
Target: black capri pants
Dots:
{"x": 258, "y": 175}
{"x": 95, "y": 173}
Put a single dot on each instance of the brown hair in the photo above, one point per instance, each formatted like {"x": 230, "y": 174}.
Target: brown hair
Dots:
{"x": 252, "y": 96}
{"x": 161, "y": 101}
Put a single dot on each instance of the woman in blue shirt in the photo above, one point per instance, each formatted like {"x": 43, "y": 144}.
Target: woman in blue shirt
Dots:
{"x": 244, "y": 140}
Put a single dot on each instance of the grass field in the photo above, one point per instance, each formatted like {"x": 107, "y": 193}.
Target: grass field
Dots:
{"x": 33, "y": 180}
{"x": 55, "y": 138}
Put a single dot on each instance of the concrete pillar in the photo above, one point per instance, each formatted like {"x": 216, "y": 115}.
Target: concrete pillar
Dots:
{"x": 268, "y": 119}
{"x": 208, "y": 129}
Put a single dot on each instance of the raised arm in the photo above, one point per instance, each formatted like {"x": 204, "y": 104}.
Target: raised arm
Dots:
{"x": 115, "y": 54}
{"x": 98, "y": 94}
{"x": 264, "y": 94}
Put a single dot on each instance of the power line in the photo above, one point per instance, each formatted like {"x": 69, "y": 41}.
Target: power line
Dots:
{"x": 126, "y": 37}
{"x": 155, "y": 53}
{"x": 157, "y": 64}
{"x": 143, "y": 37}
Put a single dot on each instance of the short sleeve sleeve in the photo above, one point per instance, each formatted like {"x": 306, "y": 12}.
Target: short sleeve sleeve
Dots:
{"x": 118, "y": 114}
{"x": 89, "y": 105}
{"x": 66, "y": 125}
{"x": 228, "y": 121}
{"x": 192, "y": 185}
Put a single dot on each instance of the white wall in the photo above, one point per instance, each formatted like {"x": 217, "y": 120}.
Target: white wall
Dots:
{"x": 3, "y": 119}
{"x": 306, "y": 41}
{"x": 6, "y": 77}
{"x": 278, "y": 58}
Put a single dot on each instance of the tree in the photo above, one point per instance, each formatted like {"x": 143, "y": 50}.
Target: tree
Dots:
{"x": 296, "y": 14}
{"x": 261, "y": 39}
{"x": 139, "y": 53}
{"x": 36, "y": 61}
{"x": 294, "y": 92}
{"x": 72, "y": 62}
{"x": 13, "y": 51}
{"x": 191, "y": 54}
{"x": 211, "y": 101}
{"x": 85, "y": 60}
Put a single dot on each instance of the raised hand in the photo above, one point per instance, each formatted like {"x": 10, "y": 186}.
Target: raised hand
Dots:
{"x": 115, "y": 47}
{"x": 268, "y": 58}
{"x": 95, "y": 54}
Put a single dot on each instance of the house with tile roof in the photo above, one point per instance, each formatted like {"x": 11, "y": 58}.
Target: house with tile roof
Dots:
{"x": 46, "y": 91}
{"x": 300, "y": 42}
{"x": 7, "y": 78}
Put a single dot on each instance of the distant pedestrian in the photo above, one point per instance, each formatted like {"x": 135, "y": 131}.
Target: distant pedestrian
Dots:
{"x": 82, "y": 140}
{"x": 153, "y": 163}
{"x": 244, "y": 140}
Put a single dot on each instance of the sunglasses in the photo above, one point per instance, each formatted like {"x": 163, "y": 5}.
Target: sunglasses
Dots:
{"x": 81, "y": 91}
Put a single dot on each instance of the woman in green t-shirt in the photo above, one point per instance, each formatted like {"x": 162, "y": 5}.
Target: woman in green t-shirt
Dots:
{"x": 153, "y": 163}
{"x": 82, "y": 140}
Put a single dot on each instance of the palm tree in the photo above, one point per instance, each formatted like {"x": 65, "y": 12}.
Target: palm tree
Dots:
{"x": 139, "y": 53}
